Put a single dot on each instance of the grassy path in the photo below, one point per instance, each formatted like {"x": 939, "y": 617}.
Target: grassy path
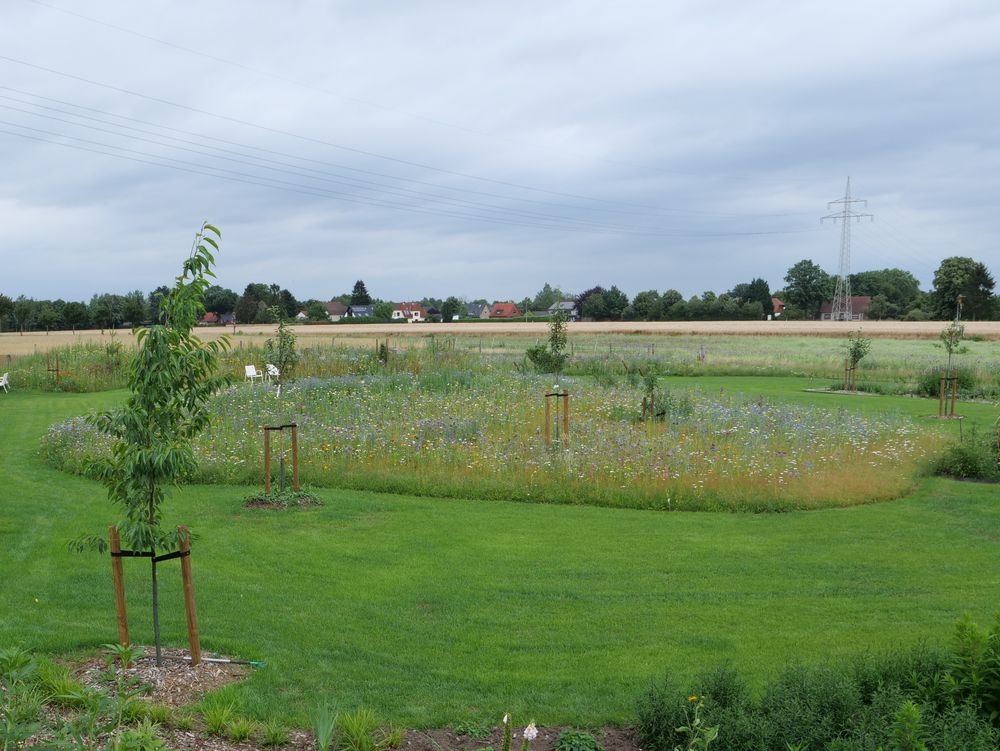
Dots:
{"x": 434, "y": 612}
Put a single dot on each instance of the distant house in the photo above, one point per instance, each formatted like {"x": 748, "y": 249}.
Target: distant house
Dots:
{"x": 227, "y": 319}
{"x": 360, "y": 311}
{"x": 301, "y": 316}
{"x": 477, "y": 310}
{"x": 335, "y": 310}
{"x": 777, "y": 307}
{"x": 505, "y": 310}
{"x": 566, "y": 306}
{"x": 412, "y": 312}
{"x": 209, "y": 319}
{"x": 859, "y": 308}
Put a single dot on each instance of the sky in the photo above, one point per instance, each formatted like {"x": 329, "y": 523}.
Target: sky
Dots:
{"x": 484, "y": 148}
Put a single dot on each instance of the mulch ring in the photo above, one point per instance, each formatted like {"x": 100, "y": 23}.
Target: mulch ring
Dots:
{"x": 177, "y": 683}
{"x": 264, "y": 502}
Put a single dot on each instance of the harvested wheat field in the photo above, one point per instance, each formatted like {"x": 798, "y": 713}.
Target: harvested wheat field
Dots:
{"x": 15, "y": 344}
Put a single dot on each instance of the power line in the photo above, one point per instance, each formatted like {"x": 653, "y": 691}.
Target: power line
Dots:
{"x": 397, "y": 160}
{"x": 841, "y": 308}
{"x": 239, "y": 177}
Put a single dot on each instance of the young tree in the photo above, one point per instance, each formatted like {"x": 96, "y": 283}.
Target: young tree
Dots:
{"x": 170, "y": 379}
{"x": 281, "y": 352}
{"x": 359, "y": 295}
{"x": 75, "y": 315}
{"x": 552, "y": 358}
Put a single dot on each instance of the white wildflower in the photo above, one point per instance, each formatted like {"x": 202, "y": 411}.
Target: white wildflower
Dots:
{"x": 530, "y": 732}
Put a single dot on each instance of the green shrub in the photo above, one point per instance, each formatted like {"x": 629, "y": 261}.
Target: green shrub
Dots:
{"x": 929, "y": 382}
{"x": 810, "y": 705}
{"x": 660, "y": 710}
{"x": 576, "y": 740}
{"x": 974, "y": 458}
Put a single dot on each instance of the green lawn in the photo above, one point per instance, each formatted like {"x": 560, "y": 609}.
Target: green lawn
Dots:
{"x": 435, "y": 612}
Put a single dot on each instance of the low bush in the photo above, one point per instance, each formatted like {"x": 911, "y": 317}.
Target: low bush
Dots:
{"x": 921, "y": 698}
{"x": 974, "y": 458}
{"x": 929, "y": 382}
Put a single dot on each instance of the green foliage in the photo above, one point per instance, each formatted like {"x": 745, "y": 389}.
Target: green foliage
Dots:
{"x": 808, "y": 286}
{"x": 507, "y": 733}
{"x": 552, "y": 358}
{"x": 281, "y": 353}
{"x": 171, "y": 378}
{"x": 274, "y": 733}
{"x": 123, "y": 654}
{"x": 240, "y": 729}
{"x": 142, "y": 737}
{"x": 965, "y": 277}
{"x": 659, "y": 714}
{"x": 908, "y": 728}
{"x": 929, "y": 381}
{"x": 576, "y": 740}
{"x": 977, "y": 457}
{"x": 217, "y": 717}
{"x": 324, "y": 727}
{"x": 857, "y": 347}
{"x": 951, "y": 339}
{"x": 697, "y": 735}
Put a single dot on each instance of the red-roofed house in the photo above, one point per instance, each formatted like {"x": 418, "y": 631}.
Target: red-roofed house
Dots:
{"x": 777, "y": 307}
{"x": 504, "y": 310}
{"x": 859, "y": 308}
{"x": 209, "y": 319}
{"x": 413, "y": 312}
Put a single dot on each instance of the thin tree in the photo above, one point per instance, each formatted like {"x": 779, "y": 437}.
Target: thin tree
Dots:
{"x": 170, "y": 378}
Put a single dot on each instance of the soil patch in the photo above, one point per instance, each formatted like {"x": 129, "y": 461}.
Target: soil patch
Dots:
{"x": 611, "y": 739}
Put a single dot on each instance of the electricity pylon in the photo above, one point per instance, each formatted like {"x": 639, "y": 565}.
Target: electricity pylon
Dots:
{"x": 841, "y": 309}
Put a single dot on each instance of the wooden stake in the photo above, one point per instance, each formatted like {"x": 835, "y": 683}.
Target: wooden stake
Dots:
{"x": 548, "y": 424}
{"x": 954, "y": 393}
{"x": 267, "y": 461}
{"x": 941, "y": 398}
{"x": 565, "y": 435}
{"x": 119, "y": 580}
{"x": 192, "y": 616}
{"x": 295, "y": 458}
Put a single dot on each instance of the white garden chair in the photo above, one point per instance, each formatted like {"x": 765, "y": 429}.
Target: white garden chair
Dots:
{"x": 5, "y": 382}
{"x": 271, "y": 373}
{"x": 252, "y": 374}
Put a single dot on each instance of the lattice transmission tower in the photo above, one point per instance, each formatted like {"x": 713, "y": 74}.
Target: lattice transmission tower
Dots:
{"x": 841, "y": 309}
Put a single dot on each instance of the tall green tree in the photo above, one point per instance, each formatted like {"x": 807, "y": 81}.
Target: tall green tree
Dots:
{"x": 75, "y": 315}
{"x": 808, "y": 287}
{"x": 171, "y": 377}
{"x": 756, "y": 290}
{"x": 899, "y": 289}
{"x": 450, "y": 308}
{"x": 960, "y": 275}
{"x": 6, "y": 308}
{"x": 359, "y": 295}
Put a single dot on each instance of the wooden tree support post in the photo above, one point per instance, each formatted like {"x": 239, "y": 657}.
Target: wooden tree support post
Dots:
{"x": 548, "y": 423}
{"x": 194, "y": 643}
{"x": 565, "y": 416}
{"x": 295, "y": 458}
{"x": 941, "y": 397}
{"x": 564, "y": 436}
{"x": 267, "y": 455}
{"x": 267, "y": 461}
{"x": 846, "y": 371}
{"x": 119, "y": 580}
{"x": 954, "y": 393}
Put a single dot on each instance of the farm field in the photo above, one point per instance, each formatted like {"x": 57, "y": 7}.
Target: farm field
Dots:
{"x": 436, "y": 612}
{"x": 12, "y": 343}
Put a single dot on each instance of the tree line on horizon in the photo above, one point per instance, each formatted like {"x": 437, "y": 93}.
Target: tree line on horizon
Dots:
{"x": 895, "y": 295}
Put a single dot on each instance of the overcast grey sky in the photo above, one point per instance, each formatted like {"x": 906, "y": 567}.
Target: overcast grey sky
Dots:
{"x": 484, "y": 148}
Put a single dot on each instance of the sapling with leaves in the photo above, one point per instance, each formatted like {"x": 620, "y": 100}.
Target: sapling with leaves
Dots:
{"x": 281, "y": 352}
{"x": 551, "y": 358}
{"x": 857, "y": 348}
{"x": 171, "y": 378}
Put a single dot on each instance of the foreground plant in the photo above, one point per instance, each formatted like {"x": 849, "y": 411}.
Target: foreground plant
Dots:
{"x": 171, "y": 378}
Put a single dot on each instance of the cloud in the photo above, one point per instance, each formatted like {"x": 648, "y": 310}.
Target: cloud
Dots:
{"x": 485, "y": 148}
